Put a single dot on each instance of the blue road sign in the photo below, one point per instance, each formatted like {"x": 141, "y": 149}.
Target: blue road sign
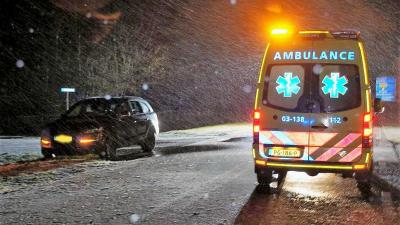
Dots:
{"x": 68, "y": 90}
{"x": 386, "y": 88}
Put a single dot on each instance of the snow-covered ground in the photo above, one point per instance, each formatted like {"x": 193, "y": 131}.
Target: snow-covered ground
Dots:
{"x": 386, "y": 142}
{"x": 16, "y": 149}
{"x": 28, "y": 148}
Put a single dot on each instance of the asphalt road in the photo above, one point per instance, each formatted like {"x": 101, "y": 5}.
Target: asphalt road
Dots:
{"x": 207, "y": 182}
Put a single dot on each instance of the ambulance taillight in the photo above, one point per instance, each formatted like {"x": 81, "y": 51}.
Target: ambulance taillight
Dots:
{"x": 367, "y": 131}
{"x": 256, "y": 125}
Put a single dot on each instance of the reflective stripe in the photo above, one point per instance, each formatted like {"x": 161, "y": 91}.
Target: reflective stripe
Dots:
{"x": 368, "y": 96}
{"x": 262, "y": 64}
{"x": 283, "y": 138}
{"x": 364, "y": 62}
{"x": 352, "y": 155}
{"x": 328, "y": 154}
{"x": 261, "y": 151}
{"x": 256, "y": 100}
{"x": 299, "y": 138}
{"x": 347, "y": 140}
{"x": 278, "y": 164}
{"x": 264, "y": 139}
{"x": 320, "y": 139}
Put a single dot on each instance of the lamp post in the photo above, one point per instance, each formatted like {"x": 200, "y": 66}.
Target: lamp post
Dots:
{"x": 67, "y": 91}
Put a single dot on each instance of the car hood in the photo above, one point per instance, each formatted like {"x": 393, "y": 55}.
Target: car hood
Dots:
{"x": 74, "y": 125}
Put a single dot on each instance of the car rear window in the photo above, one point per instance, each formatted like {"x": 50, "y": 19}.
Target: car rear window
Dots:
{"x": 312, "y": 87}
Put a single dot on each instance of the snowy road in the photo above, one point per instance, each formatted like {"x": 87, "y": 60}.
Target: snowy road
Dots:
{"x": 201, "y": 176}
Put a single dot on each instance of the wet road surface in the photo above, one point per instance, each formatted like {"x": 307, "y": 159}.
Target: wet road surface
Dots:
{"x": 323, "y": 199}
{"x": 211, "y": 182}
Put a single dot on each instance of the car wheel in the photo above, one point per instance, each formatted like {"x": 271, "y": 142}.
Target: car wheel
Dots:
{"x": 111, "y": 151}
{"x": 150, "y": 141}
{"x": 46, "y": 154}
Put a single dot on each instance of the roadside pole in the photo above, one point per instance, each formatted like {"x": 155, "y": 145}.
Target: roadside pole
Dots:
{"x": 67, "y": 91}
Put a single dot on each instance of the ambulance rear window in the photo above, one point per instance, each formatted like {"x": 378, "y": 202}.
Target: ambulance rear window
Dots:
{"x": 310, "y": 87}
{"x": 286, "y": 86}
{"x": 339, "y": 87}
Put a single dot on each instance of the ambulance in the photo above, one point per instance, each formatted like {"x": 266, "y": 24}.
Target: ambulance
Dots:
{"x": 313, "y": 107}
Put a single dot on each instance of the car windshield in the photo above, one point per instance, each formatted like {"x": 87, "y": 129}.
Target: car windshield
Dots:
{"x": 92, "y": 106}
{"x": 312, "y": 87}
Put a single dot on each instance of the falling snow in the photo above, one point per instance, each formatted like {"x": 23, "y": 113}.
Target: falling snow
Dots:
{"x": 20, "y": 63}
{"x": 317, "y": 69}
{"x": 145, "y": 87}
{"x": 247, "y": 88}
{"x": 134, "y": 218}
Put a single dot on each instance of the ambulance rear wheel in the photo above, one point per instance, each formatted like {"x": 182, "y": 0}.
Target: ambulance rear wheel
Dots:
{"x": 365, "y": 189}
{"x": 281, "y": 178}
{"x": 364, "y": 182}
{"x": 264, "y": 179}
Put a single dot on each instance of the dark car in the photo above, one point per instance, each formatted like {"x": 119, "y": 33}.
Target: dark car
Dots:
{"x": 102, "y": 125}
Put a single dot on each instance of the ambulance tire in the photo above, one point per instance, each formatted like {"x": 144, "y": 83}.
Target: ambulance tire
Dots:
{"x": 281, "y": 179}
{"x": 364, "y": 183}
{"x": 264, "y": 179}
{"x": 365, "y": 189}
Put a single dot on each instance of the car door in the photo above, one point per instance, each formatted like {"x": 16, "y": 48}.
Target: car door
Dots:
{"x": 284, "y": 115}
{"x": 335, "y": 134}
{"x": 139, "y": 116}
{"x": 147, "y": 112}
{"x": 126, "y": 121}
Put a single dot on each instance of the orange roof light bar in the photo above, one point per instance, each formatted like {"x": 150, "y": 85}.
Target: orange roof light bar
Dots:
{"x": 279, "y": 31}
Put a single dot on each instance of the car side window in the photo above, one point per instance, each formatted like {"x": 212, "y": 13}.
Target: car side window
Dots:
{"x": 136, "y": 107}
{"x": 123, "y": 108}
{"x": 144, "y": 107}
{"x": 149, "y": 106}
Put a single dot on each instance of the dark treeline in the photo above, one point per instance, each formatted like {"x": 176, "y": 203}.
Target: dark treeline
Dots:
{"x": 196, "y": 61}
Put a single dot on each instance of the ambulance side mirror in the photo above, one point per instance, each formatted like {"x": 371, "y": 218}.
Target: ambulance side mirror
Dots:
{"x": 378, "y": 106}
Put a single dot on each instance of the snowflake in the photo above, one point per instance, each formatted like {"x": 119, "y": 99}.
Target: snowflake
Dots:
{"x": 288, "y": 84}
{"x": 334, "y": 85}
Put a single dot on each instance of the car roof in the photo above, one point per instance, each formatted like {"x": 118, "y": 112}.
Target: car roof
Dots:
{"x": 116, "y": 98}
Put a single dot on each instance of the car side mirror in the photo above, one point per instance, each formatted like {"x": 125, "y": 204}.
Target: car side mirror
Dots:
{"x": 378, "y": 106}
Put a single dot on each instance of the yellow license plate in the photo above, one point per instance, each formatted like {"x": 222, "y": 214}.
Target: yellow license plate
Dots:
{"x": 63, "y": 139}
{"x": 286, "y": 153}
